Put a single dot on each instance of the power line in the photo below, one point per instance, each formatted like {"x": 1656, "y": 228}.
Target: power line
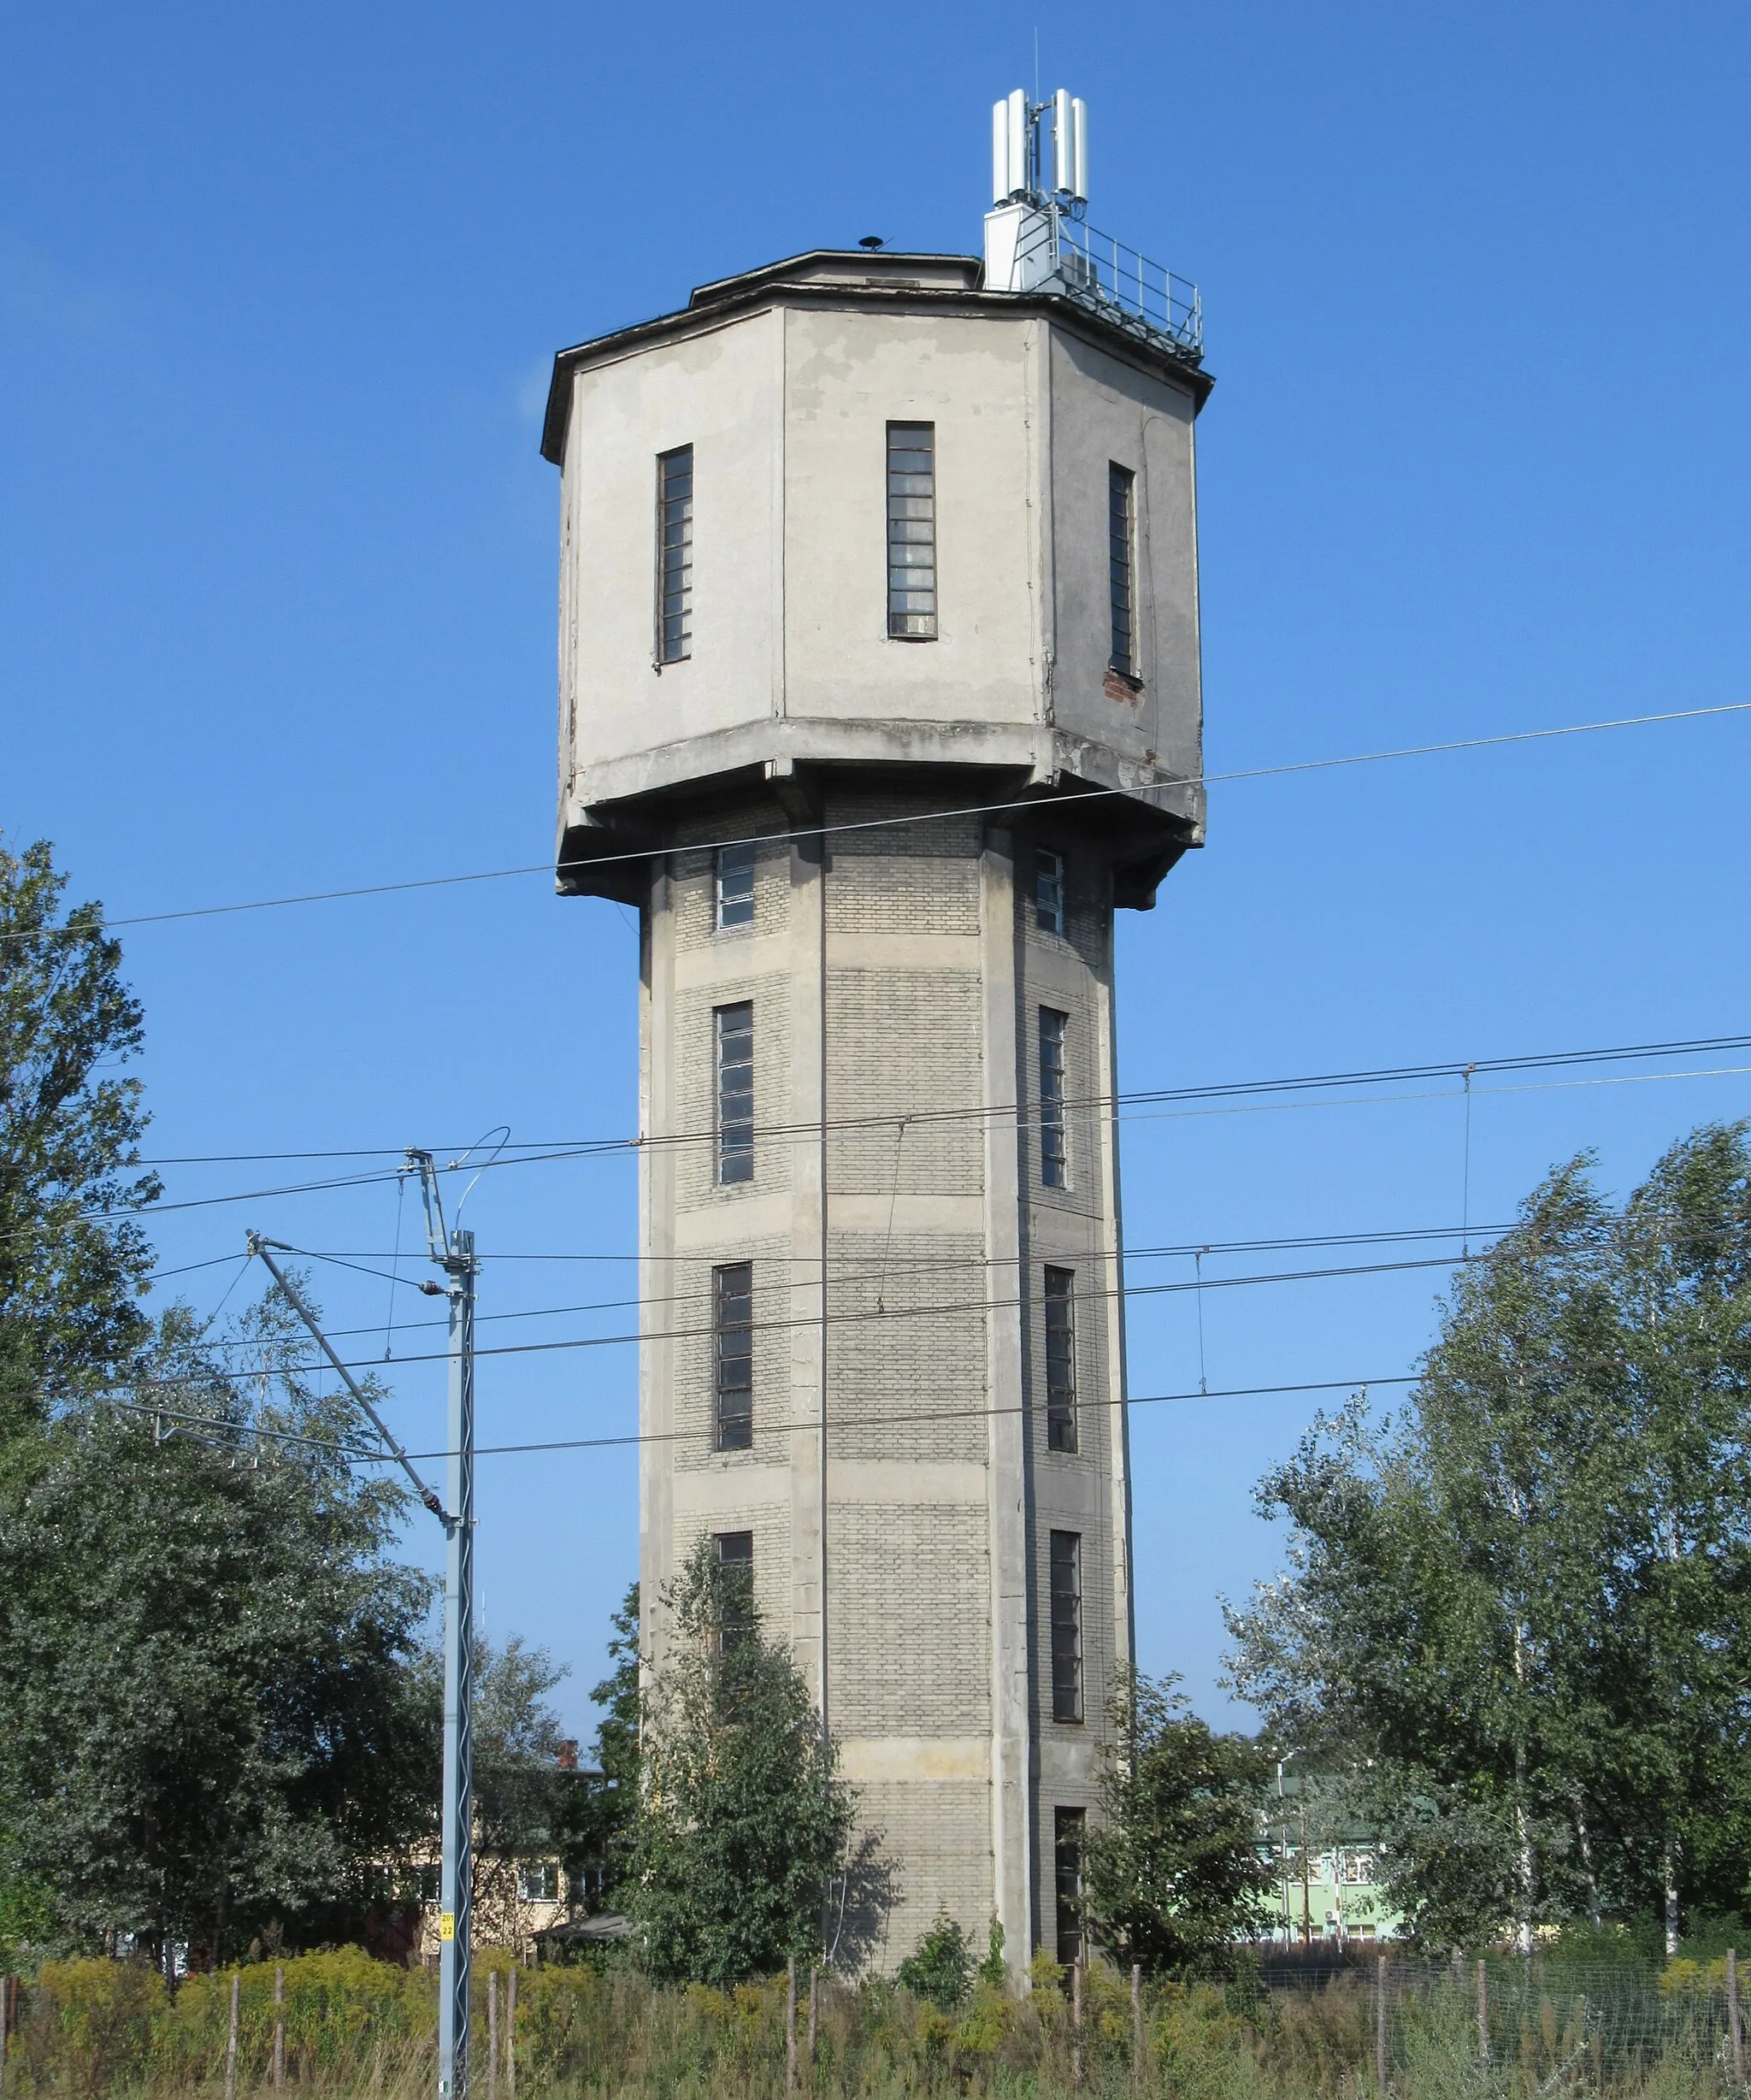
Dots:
{"x": 1083, "y": 1105}
{"x": 811, "y": 831}
{"x": 937, "y": 1311}
{"x": 853, "y": 1272}
{"x": 775, "y": 1430}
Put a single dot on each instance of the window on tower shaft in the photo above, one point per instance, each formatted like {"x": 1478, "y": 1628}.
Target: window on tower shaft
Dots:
{"x": 732, "y": 1356}
{"x": 675, "y": 554}
{"x": 1066, "y": 1626}
{"x": 734, "y": 1027}
{"x": 1060, "y": 1360}
{"x": 1053, "y": 1165}
{"x": 1048, "y": 892}
{"x": 735, "y": 1557}
{"x": 911, "y": 531}
{"x": 1067, "y": 1834}
{"x": 735, "y": 886}
{"x": 1121, "y": 561}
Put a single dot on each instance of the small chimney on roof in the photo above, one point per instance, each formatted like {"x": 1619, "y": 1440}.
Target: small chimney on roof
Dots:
{"x": 567, "y": 1756}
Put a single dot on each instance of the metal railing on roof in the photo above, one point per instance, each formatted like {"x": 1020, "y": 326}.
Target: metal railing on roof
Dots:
{"x": 1115, "y": 280}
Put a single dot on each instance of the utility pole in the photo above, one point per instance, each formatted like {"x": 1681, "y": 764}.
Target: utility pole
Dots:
{"x": 454, "y": 1253}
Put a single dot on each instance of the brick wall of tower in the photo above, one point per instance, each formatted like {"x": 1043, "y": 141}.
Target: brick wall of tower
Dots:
{"x": 896, "y": 978}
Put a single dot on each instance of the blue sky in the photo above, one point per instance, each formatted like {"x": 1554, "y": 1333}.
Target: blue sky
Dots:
{"x": 279, "y": 289}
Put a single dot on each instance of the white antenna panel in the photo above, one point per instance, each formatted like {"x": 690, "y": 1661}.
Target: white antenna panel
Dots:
{"x": 1063, "y": 149}
{"x": 1079, "y": 154}
{"x": 999, "y": 152}
{"x": 1020, "y": 174}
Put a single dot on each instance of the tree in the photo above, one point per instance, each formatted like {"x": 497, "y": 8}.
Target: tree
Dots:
{"x": 743, "y": 1819}
{"x": 600, "y": 1828}
{"x": 1172, "y": 1871}
{"x": 205, "y": 1646}
{"x": 1519, "y": 1617}
{"x": 940, "y": 1966}
{"x": 73, "y": 1262}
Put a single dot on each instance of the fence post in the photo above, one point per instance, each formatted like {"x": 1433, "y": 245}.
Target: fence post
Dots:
{"x": 1076, "y": 2021}
{"x": 1380, "y": 2026}
{"x": 790, "y": 2023}
{"x": 1137, "y": 2026}
{"x": 278, "y": 2026}
{"x": 230, "y": 2041}
{"x": 5, "y": 2024}
{"x": 814, "y": 2014}
{"x": 510, "y": 2032}
{"x": 492, "y": 2034}
{"x": 1734, "y": 2029}
{"x": 1483, "y": 2015}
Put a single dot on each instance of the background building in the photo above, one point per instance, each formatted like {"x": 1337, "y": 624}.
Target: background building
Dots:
{"x": 879, "y": 693}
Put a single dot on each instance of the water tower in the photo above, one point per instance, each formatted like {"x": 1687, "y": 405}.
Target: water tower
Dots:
{"x": 879, "y": 695}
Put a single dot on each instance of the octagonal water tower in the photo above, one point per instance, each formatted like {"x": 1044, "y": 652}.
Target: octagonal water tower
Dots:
{"x": 879, "y": 693}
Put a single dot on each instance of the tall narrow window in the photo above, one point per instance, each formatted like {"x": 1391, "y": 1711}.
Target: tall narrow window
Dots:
{"x": 1048, "y": 892}
{"x": 735, "y": 1556}
{"x": 1052, "y": 1164}
{"x": 735, "y": 886}
{"x": 911, "y": 531}
{"x": 675, "y": 554}
{"x": 1066, "y": 1626}
{"x": 732, "y": 1355}
{"x": 1121, "y": 558}
{"x": 1060, "y": 1360}
{"x": 736, "y": 1092}
{"x": 1067, "y": 1832}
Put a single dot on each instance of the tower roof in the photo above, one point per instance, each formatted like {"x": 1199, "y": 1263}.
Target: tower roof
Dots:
{"x": 857, "y": 277}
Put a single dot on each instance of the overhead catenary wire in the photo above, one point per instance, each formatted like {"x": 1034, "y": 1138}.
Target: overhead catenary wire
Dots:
{"x": 1082, "y": 1107}
{"x": 533, "y": 1152}
{"x": 1037, "y": 802}
{"x": 634, "y": 1438}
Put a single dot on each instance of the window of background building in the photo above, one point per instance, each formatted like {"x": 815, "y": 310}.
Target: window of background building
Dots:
{"x": 735, "y": 1556}
{"x": 734, "y": 886}
{"x": 1121, "y": 543}
{"x": 675, "y": 554}
{"x": 537, "y": 1881}
{"x": 1052, "y": 1164}
{"x": 734, "y": 1027}
{"x": 1060, "y": 1360}
{"x": 1067, "y": 1832}
{"x": 1048, "y": 892}
{"x": 732, "y": 1356}
{"x": 1066, "y": 1626}
{"x": 911, "y": 531}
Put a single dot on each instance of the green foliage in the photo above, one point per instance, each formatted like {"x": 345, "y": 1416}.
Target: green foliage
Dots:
{"x": 600, "y": 1828}
{"x": 743, "y": 1819}
{"x": 203, "y": 1656}
{"x": 357, "y": 2026}
{"x": 1521, "y": 1619}
{"x": 994, "y": 1969}
{"x": 940, "y": 1966}
{"x": 70, "y": 1279}
{"x": 1172, "y": 1868}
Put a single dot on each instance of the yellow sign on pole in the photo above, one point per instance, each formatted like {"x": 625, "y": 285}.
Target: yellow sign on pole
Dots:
{"x": 446, "y": 1924}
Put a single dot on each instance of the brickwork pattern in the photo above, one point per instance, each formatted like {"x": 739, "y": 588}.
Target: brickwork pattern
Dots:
{"x": 912, "y": 878}
{"x": 901, "y": 1042}
{"x": 936, "y": 1836}
{"x": 901, "y": 1360}
{"x": 908, "y": 1618}
{"x": 770, "y": 1522}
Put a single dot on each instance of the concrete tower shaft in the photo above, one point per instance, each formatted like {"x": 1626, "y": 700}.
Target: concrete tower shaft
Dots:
{"x": 850, "y": 546}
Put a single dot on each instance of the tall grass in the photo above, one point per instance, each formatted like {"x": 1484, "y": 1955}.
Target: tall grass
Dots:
{"x": 356, "y": 2026}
